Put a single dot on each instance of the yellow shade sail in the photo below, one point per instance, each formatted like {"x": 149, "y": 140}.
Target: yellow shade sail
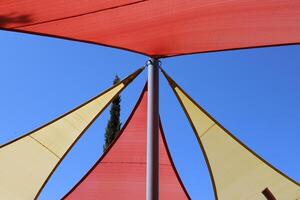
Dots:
{"x": 27, "y": 163}
{"x": 237, "y": 173}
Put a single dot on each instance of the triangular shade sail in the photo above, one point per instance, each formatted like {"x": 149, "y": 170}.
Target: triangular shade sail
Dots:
{"x": 121, "y": 172}
{"x": 27, "y": 163}
{"x": 159, "y": 28}
{"x": 236, "y": 171}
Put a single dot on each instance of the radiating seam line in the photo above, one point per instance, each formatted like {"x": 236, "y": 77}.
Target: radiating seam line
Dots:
{"x": 207, "y": 130}
{"x": 72, "y": 125}
{"x": 79, "y": 15}
{"x": 139, "y": 163}
{"x": 44, "y": 146}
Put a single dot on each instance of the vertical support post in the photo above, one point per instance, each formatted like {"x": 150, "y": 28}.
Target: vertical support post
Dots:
{"x": 152, "y": 182}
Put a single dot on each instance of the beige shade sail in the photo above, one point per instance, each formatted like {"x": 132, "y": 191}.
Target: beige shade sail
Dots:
{"x": 27, "y": 163}
{"x": 237, "y": 173}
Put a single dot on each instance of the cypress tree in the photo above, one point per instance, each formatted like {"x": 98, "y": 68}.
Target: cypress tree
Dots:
{"x": 113, "y": 126}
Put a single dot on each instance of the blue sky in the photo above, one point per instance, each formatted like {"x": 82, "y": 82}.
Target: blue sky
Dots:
{"x": 253, "y": 93}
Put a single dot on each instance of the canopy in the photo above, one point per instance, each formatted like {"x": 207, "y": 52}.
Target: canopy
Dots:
{"x": 28, "y": 162}
{"x": 121, "y": 172}
{"x": 236, "y": 171}
{"x": 159, "y": 28}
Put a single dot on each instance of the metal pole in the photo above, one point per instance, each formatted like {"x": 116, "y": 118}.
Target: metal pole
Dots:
{"x": 152, "y": 131}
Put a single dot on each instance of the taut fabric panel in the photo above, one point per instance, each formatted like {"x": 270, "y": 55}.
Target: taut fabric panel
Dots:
{"x": 236, "y": 171}
{"x": 121, "y": 172}
{"x": 27, "y": 162}
{"x": 159, "y": 28}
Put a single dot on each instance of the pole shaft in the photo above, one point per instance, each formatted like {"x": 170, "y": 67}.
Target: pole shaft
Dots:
{"x": 152, "y": 184}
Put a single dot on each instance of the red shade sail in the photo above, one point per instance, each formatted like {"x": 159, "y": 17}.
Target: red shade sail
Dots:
{"x": 121, "y": 172}
{"x": 159, "y": 28}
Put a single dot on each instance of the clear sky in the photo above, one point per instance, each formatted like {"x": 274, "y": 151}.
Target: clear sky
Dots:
{"x": 253, "y": 93}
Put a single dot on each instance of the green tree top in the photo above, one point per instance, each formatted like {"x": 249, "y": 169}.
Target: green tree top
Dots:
{"x": 113, "y": 126}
